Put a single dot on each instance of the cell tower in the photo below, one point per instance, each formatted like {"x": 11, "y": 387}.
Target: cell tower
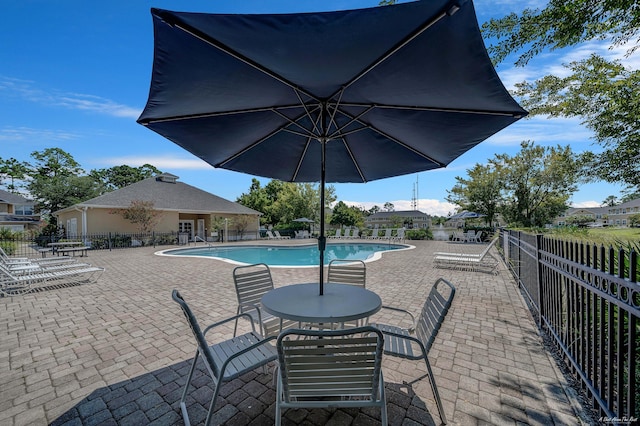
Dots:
{"x": 415, "y": 198}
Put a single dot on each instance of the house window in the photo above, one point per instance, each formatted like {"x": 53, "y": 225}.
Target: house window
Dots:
{"x": 23, "y": 210}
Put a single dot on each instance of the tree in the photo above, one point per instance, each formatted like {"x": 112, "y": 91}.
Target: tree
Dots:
{"x": 374, "y": 210}
{"x": 480, "y": 193}
{"x": 345, "y": 215}
{"x": 14, "y": 171}
{"x": 581, "y": 221}
{"x": 389, "y": 207}
{"x": 141, "y": 213}
{"x": 610, "y": 201}
{"x": 634, "y": 220}
{"x": 603, "y": 93}
{"x": 605, "y": 96}
{"x": 537, "y": 183}
{"x": 242, "y": 222}
{"x": 118, "y": 177}
{"x": 57, "y": 181}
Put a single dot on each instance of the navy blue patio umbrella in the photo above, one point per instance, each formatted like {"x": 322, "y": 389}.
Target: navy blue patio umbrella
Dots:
{"x": 345, "y": 96}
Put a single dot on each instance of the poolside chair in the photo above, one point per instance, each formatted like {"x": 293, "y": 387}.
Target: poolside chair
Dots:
{"x": 252, "y": 282}
{"x": 353, "y": 272}
{"x": 280, "y": 237}
{"x": 337, "y": 235}
{"x": 4, "y": 258}
{"x": 387, "y": 234}
{"x": 356, "y": 233}
{"x": 415, "y": 341}
{"x": 23, "y": 281}
{"x": 225, "y": 360}
{"x": 458, "y": 236}
{"x": 399, "y": 235}
{"x": 374, "y": 234}
{"x": 270, "y": 235}
{"x": 339, "y": 368}
{"x": 482, "y": 262}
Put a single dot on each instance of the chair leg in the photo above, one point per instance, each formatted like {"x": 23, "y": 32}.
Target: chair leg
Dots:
{"x": 278, "y": 400}
{"x": 212, "y": 405}
{"x": 434, "y": 389}
{"x": 383, "y": 398}
{"x": 183, "y": 405}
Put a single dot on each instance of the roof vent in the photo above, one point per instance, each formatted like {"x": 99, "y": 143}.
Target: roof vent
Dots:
{"x": 167, "y": 177}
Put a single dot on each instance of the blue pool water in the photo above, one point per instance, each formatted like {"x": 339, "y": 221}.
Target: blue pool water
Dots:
{"x": 306, "y": 255}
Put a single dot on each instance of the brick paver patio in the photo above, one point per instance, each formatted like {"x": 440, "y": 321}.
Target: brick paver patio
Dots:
{"x": 118, "y": 351}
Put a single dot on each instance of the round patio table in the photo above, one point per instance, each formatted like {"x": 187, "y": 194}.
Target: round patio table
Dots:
{"x": 340, "y": 303}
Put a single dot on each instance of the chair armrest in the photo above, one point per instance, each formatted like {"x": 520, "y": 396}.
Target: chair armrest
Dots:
{"x": 404, "y": 311}
{"x": 264, "y": 341}
{"x": 233, "y": 318}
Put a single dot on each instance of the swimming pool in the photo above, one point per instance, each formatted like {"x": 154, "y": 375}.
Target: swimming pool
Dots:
{"x": 289, "y": 256}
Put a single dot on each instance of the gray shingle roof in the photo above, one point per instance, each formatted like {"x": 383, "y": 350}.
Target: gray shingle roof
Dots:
{"x": 9, "y": 198}
{"x": 176, "y": 196}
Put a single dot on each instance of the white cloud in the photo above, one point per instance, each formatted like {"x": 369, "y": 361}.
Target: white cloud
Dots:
{"x": 543, "y": 130}
{"x": 161, "y": 162}
{"x": 19, "y": 134}
{"x": 24, "y": 89}
{"x": 430, "y": 207}
{"x": 586, "y": 204}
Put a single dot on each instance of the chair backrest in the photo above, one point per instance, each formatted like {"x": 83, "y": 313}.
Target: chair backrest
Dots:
{"x": 356, "y": 233}
{"x": 387, "y": 233}
{"x": 338, "y": 232}
{"x": 486, "y": 250}
{"x": 252, "y": 282}
{"x": 400, "y": 234}
{"x": 344, "y": 271}
{"x": 3, "y": 255}
{"x": 433, "y": 312}
{"x": 315, "y": 364}
{"x": 203, "y": 347}
{"x": 374, "y": 233}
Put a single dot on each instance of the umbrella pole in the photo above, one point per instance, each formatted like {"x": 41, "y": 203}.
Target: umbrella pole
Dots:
{"x": 322, "y": 240}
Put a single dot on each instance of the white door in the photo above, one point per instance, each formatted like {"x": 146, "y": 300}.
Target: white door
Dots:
{"x": 186, "y": 226}
{"x": 200, "y": 230}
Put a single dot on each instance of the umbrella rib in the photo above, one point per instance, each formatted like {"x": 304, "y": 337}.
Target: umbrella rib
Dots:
{"x": 295, "y": 122}
{"x": 174, "y": 21}
{"x": 304, "y": 105}
{"x": 353, "y": 158}
{"x": 439, "y": 109}
{"x": 451, "y": 9}
{"x": 304, "y": 153}
{"x": 399, "y": 142}
{"x": 213, "y": 114}
{"x": 354, "y": 119}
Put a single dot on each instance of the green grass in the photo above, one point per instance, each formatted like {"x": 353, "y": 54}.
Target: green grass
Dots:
{"x": 606, "y": 236}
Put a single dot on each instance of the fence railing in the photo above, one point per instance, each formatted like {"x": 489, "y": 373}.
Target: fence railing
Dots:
{"x": 27, "y": 246}
{"x": 587, "y": 299}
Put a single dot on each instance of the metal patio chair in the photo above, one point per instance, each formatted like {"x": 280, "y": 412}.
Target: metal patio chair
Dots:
{"x": 415, "y": 341}
{"x": 338, "y": 368}
{"x": 225, "y": 360}
{"x": 252, "y": 282}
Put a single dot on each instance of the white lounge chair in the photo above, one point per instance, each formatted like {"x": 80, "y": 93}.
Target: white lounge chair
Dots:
{"x": 280, "y": 237}
{"x": 13, "y": 282}
{"x": 399, "y": 235}
{"x": 337, "y": 235}
{"x": 374, "y": 234}
{"x": 339, "y": 368}
{"x": 387, "y": 234}
{"x": 483, "y": 261}
{"x": 4, "y": 258}
{"x": 270, "y": 235}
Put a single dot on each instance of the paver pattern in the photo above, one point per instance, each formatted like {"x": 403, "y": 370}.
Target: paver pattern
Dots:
{"x": 118, "y": 352}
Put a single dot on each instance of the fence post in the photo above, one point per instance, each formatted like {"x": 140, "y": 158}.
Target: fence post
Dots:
{"x": 539, "y": 288}
{"x": 109, "y": 240}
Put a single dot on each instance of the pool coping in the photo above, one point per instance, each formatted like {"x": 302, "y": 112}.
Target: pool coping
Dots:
{"x": 376, "y": 256}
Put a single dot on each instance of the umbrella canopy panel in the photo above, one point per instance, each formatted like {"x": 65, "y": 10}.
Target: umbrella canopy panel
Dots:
{"x": 389, "y": 90}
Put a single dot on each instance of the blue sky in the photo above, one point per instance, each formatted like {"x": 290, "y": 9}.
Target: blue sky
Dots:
{"x": 76, "y": 75}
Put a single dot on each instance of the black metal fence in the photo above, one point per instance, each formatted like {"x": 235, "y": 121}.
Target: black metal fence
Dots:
{"x": 587, "y": 299}
{"x": 28, "y": 246}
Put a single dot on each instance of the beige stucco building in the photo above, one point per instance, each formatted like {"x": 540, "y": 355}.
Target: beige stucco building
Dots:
{"x": 17, "y": 212}
{"x": 183, "y": 208}
{"x": 617, "y": 215}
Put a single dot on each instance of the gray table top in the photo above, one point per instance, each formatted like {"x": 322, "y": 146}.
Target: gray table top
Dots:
{"x": 339, "y": 303}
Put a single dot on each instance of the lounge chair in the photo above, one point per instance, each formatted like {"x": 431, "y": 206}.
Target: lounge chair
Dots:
{"x": 387, "y": 234}
{"x": 4, "y": 258}
{"x": 374, "y": 234}
{"x": 280, "y": 237}
{"x": 270, "y": 235}
{"x": 473, "y": 237}
{"x": 339, "y": 368}
{"x": 458, "y": 236}
{"x": 225, "y": 360}
{"x": 252, "y": 282}
{"x": 483, "y": 261}
{"x": 415, "y": 341}
{"x": 399, "y": 235}
{"x": 337, "y": 235}
{"x": 20, "y": 282}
